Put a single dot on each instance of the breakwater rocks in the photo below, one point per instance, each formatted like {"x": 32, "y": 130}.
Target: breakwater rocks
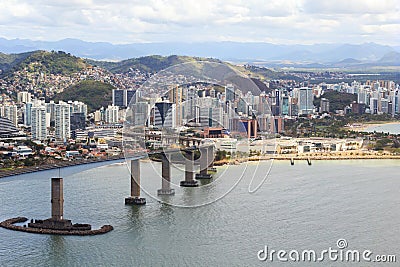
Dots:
{"x": 10, "y": 224}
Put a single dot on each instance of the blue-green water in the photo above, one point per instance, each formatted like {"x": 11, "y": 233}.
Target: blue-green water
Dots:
{"x": 298, "y": 207}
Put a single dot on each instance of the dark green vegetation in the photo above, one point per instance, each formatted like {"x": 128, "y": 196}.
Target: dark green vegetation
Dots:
{"x": 8, "y": 61}
{"x": 337, "y": 100}
{"x": 51, "y": 63}
{"x": 41, "y": 61}
{"x": 147, "y": 64}
{"x": 95, "y": 94}
{"x": 333, "y": 127}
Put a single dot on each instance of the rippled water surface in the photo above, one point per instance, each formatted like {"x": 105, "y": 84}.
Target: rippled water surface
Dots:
{"x": 298, "y": 207}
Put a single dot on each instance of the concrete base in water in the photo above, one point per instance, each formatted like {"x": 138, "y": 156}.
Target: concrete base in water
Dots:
{"x": 64, "y": 225}
{"x": 192, "y": 183}
{"x": 165, "y": 192}
{"x": 203, "y": 176}
{"x": 135, "y": 201}
{"x": 53, "y": 227}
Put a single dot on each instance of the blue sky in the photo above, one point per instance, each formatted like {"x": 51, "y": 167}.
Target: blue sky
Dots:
{"x": 284, "y": 21}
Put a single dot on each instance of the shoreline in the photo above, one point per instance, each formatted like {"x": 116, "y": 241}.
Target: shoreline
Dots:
{"x": 295, "y": 157}
{"x": 362, "y": 127}
{"x": 282, "y": 157}
{"x": 61, "y": 164}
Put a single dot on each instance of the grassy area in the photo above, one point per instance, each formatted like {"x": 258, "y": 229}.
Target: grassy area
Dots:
{"x": 94, "y": 93}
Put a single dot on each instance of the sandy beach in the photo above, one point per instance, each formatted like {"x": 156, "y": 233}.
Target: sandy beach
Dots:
{"x": 344, "y": 155}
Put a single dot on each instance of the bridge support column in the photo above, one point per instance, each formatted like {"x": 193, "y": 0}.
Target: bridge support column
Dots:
{"x": 57, "y": 199}
{"x": 189, "y": 170}
{"x": 204, "y": 162}
{"x": 211, "y": 159}
{"x": 135, "y": 198}
{"x": 166, "y": 177}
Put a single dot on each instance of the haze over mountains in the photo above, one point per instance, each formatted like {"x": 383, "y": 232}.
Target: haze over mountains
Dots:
{"x": 337, "y": 55}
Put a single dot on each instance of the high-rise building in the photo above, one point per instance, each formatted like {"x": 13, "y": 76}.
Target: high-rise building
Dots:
{"x": 373, "y": 105}
{"x": 130, "y": 96}
{"x": 122, "y": 98}
{"x": 324, "y": 105}
{"x": 285, "y": 105}
{"x": 358, "y": 108}
{"x": 50, "y": 107}
{"x": 62, "y": 112}
{"x": 305, "y": 100}
{"x": 189, "y": 110}
{"x": 384, "y": 106}
{"x": 27, "y": 114}
{"x": 38, "y": 122}
{"x": 140, "y": 113}
{"x": 97, "y": 116}
{"x": 9, "y": 112}
{"x": 229, "y": 93}
{"x": 78, "y": 107}
{"x": 118, "y": 97}
{"x": 111, "y": 114}
{"x": 277, "y": 103}
{"x": 24, "y": 97}
{"x": 78, "y": 121}
{"x": 362, "y": 96}
{"x": 164, "y": 114}
{"x": 175, "y": 96}
{"x": 217, "y": 117}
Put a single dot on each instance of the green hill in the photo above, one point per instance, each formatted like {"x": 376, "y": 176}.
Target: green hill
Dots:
{"x": 51, "y": 63}
{"x": 95, "y": 94}
{"x": 8, "y": 61}
{"x": 147, "y": 64}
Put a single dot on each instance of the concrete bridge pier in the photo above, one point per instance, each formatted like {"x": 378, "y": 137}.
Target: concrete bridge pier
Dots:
{"x": 135, "y": 198}
{"x": 210, "y": 152}
{"x": 57, "y": 199}
{"x": 204, "y": 162}
{"x": 189, "y": 170}
{"x": 166, "y": 176}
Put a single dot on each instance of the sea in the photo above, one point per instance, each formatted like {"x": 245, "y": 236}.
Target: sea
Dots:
{"x": 393, "y": 128}
{"x": 228, "y": 221}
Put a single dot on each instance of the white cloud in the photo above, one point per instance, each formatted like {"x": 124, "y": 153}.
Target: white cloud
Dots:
{"x": 285, "y": 21}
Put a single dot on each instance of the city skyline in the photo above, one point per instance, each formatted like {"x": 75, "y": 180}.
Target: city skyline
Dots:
{"x": 278, "y": 22}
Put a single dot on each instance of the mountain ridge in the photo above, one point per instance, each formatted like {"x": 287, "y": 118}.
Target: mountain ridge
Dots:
{"x": 317, "y": 53}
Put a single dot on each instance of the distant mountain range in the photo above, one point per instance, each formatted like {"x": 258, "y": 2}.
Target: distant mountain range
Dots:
{"x": 263, "y": 53}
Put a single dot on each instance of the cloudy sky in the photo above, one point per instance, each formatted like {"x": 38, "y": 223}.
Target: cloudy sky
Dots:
{"x": 275, "y": 21}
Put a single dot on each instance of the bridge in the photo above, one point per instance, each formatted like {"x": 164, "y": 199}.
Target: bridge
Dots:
{"x": 206, "y": 161}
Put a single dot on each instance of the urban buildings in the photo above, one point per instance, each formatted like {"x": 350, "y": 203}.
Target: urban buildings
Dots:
{"x": 38, "y": 122}
{"x": 122, "y": 97}
{"x": 9, "y": 112}
{"x": 62, "y": 121}
{"x": 111, "y": 114}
